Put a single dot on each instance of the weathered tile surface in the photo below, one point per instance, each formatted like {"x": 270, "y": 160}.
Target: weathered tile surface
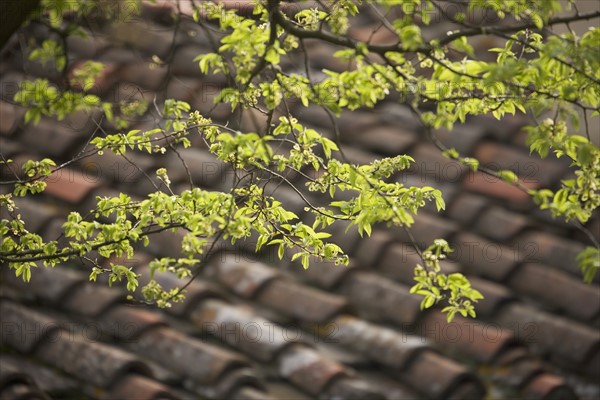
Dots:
{"x": 257, "y": 328}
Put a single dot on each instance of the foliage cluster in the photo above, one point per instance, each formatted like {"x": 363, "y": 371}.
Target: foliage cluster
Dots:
{"x": 552, "y": 78}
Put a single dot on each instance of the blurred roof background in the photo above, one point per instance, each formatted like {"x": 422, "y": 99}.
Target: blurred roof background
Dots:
{"x": 255, "y": 327}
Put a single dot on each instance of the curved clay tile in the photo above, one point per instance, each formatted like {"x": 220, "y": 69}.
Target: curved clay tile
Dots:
{"x": 241, "y": 275}
{"x": 97, "y": 363}
{"x": 484, "y": 258}
{"x": 377, "y": 298}
{"x": 243, "y": 329}
{"x": 567, "y": 342}
{"x": 48, "y": 284}
{"x": 91, "y": 300}
{"x": 495, "y": 296}
{"x": 557, "y": 289}
{"x": 301, "y": 302}
{"x": 141, "y": 388}
{"x": 548, "y": 386}
{"x": 24, "y": 329}
{"x": 475, "y": 339}
{"x": 203, "y": 363}
{"x": 439, "y": 378}
{"x": 232, "y": 382}
{"x": 127, "y": 323}
{"x": 386, "y": 346}
{"x": 308, "y": 369}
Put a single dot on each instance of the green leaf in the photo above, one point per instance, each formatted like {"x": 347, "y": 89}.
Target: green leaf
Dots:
{"x": 508, "y": 176}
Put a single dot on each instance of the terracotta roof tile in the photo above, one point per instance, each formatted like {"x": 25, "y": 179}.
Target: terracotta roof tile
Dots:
{"x": 547, "y": 386}
{"x": 243, "y": 276}
{"x": 166, "y": 243}
{"x": 529, "y": 168}
{"x": 90, "y": 361}
{"x": 313, "y": 116}
{"x": 491, "y": 186}
{"x": 466, "y": 207}
{"x": 355, "y": 389}
{"x": 495, "y": 296}
{"x": 48, "y": 284}
{"x": 182, "y": 88}
{"x": 569, "y": 343}
{"x": 249, "y": 393}
{"x": 324, "y": 274}
{"x": 51, "y": 138}
{"x": 365, "y": 33}
{"x": 463, "y": 138}
{"x": 378, "y": 298}
{"x": 558, "y": 289}
{"x": 10, "y": 84}
{"x": 21, "y": 391}
{"x": 183, "y": 64}
{"x": 386, "y": 346}
{"x": 594, "y": 226}
{"x": 46, "y": 379}
{"x": 370, "y": 248}
{"x": 279, "y": 389}
{"x": 504, "y": 129}
{"x": 398, "y": 114}
{"x": 399, "y": 260}
{"x": 439, "y": 378}
{"x": 307, "y": 369}
{"x": 145, "y": 36}
{"x": 322, "y": 56}
{"x": 241, "y": 329}
{"x": 9, "y": 149}
{"x": 500, "y": 224}
{"x": 474, "y": 339}
{"x": 356, "y": 155}
{"x": 388, "y": 141}
{"x": 17, "y": 320}
{"x": 71, "y": 185}
{"x": 16, "y": 383}
{"x": 301, "y": 302}
{"x": 427, "y": 228}
{"x": 35, "y": 215}
{"x": 68, "y": 350}
{"x": 546, "y": 248}
{"x": 484, "y": 258}
{"x": 110, "y": 167}
{"x": 391, "y": 388}
{"x": 128, "y": 323}
{"x": 516, "y": 373}
{"x": 141, "y": 388}
{"x": 346, "y": 238}
{"x": 87, "y": 47}
{"x": 11, "y": 374}
{"x": 432, "y": 167}
{"x": 53, "y": 229}
{"x": 10, "y": 116}
{"x": 191, "y": 358}
{"x": 146, "y": 76}
{"x": 91, "y": 300}
{"x": 118, "y": 56}
{"x": 231, "y": 383}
